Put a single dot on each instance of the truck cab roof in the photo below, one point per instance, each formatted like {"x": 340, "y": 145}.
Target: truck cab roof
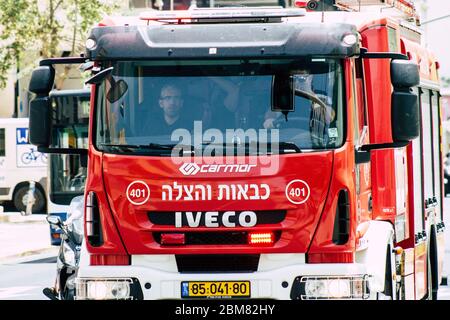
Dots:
{"x": 151, "y": 38}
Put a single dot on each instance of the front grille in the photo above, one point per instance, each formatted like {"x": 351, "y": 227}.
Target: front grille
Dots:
{"x": 205, "y": 238}
{"x": 218, "y": 263}
{"x": 212, "y": 238}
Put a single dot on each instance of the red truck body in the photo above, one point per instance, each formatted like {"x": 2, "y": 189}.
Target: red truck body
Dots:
{"x": 347, "y": 219}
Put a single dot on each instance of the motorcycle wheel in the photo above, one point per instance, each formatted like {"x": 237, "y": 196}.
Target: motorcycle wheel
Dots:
{"x": 65, "y": 292}
{"x": 68, "y": 294}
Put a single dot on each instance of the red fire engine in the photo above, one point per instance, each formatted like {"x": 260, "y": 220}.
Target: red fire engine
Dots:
{"x": 258, "y": 153}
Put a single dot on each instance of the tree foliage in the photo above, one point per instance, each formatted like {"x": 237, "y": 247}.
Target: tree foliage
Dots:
{"x": 39, "y": 27}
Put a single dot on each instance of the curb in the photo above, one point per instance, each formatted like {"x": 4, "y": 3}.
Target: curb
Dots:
{"x": 16, "y": 217}
{"x": 31, "y": 255}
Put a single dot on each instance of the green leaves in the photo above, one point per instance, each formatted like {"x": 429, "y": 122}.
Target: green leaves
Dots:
{"x": 31, "y": 30}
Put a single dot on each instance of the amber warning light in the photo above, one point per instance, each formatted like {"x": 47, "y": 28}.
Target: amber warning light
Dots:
{"x": 222, "y": 13}
{"x": 261, "y": 238}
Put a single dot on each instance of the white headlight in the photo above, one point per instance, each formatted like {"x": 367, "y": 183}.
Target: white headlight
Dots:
{"x": 120, "y": 290}
{"x": 315, "y": 288}
{"x": 97, "y": 290}
{"x": 103, "y": 289}
{"x": 335, "y": 287}
{"x": 339, "y": 288}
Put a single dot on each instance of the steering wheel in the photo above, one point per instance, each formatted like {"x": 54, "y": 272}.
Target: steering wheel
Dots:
{"x": 297, "y": 122}
{"x": 310, "y": 96}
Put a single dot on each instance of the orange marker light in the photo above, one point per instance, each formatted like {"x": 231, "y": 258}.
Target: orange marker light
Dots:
{"x": 261, "y": 238}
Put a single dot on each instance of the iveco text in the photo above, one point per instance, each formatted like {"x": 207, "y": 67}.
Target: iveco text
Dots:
{"x": 212, "y": 219}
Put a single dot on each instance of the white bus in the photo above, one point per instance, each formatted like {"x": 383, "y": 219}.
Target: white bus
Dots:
{"x": 20, "y": 163}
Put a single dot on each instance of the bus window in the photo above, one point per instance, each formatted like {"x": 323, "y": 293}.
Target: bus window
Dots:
{"x": 2, "y": 142}
{"x": 70, "y": 130}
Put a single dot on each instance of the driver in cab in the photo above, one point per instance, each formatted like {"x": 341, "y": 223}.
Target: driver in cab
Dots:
{"x": 318, "y": 108}
{"x": 171, "y": 102}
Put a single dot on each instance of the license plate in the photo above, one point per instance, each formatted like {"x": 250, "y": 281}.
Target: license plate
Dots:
{"x": 215, "y": 289}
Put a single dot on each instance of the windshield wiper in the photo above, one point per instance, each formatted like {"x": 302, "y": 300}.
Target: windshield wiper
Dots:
{"x": 283, "y": 147}
{"x": 138, "y": 146}
{"x": 145, "y": 147}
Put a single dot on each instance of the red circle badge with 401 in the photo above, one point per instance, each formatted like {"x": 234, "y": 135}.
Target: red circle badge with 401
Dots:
{"x": 138, "y": 192}
{"x": 297, "y": 191}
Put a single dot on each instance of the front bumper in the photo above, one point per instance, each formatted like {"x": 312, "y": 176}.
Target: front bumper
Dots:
{"x": 159, "y": 278}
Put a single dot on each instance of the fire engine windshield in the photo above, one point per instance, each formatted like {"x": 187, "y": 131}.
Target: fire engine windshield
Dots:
{"x": 152, "y": 106}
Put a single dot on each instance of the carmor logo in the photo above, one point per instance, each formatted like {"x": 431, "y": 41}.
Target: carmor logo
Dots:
{"x": 189, "y": 169}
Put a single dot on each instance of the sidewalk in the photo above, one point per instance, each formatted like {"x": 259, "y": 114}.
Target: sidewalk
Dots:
{"x": 23, "y": 236}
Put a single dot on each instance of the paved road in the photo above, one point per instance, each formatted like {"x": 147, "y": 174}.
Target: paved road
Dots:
{"x": 26, "y": 281}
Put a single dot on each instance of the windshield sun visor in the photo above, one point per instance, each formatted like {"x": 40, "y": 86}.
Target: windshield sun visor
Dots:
{"x": 209, "y": 41}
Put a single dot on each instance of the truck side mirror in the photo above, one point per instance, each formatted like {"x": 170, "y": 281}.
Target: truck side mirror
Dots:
{"x": 41, "y": 83}
{"x": 404, "y": 106}
{"x": 405, "y": 115}
{"x": 54, "y": 220}
{"x": 404, "y": 74}
{"x": 40, "y": 121}
{"x": 283, "y": 93}
{"x": 42, "y": 80}
{"x": 405, "y": 121}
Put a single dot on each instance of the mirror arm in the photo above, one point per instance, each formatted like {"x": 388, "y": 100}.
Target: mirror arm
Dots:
{"x": 100, "y": 76}
{"x": 66, "y": 60}
{"x": 370, "y": 147}
{"x": 362, "y": 154}
{"x": 382, "y": 55}
{"x": 80, "y": 152}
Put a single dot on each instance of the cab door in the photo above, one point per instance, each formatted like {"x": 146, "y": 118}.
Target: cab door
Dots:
{"x": 361, "y": 134}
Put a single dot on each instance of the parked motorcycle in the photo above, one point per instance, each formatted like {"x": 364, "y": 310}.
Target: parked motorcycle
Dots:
{"x": 68, "y": 257}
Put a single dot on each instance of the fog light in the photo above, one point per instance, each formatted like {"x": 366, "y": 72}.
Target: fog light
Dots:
{"x": 331, "y": 287}
{"x": 103, "y": 289}
{"x": 121, "y": 290}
